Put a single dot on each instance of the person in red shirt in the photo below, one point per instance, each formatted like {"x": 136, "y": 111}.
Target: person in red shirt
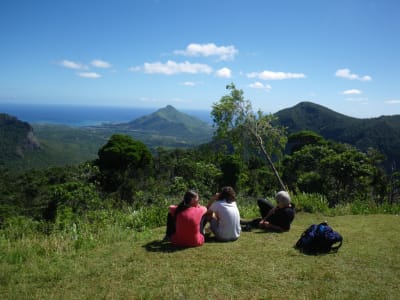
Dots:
{"x": 185, "y": 222}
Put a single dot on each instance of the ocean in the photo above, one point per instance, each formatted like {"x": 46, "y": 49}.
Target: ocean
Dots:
{"x": 77, "y": 116}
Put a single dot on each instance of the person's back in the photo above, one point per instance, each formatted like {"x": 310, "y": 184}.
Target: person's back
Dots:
{"x": 228, "y": 220}
{"x": 187, "y": 232}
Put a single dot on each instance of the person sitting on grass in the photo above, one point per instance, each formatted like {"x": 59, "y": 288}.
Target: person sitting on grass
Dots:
{"x": 275, "y": 218}
{"x": 185, "y": 222}
{"x": 224, "y": 215}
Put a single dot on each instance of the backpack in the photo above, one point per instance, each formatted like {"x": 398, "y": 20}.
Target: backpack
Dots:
{"x": 319, "y": 238}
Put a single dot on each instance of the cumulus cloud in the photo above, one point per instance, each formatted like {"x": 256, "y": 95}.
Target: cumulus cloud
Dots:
{"x": 260, "y": 85}
{"x": 171, "y": 67}
{"x": 188, "y": 83}
{"x": 270, "y": 75}
{"x": 394, "y": 101}
{"x": 346, "y": 73}
{"x": 72, "y": 65}
{"x": 352, "y": 92}
{"x": 224, "y": 73}
{"x": 210, "y": 49}
{"x": 100, "y": 64}
{"x": 89, "y": 75}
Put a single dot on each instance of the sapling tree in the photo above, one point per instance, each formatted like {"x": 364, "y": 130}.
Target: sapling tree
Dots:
{"x": 236, "y": 122}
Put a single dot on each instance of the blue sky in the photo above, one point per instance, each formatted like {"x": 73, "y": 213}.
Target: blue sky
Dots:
{"x": 342, "y": 54}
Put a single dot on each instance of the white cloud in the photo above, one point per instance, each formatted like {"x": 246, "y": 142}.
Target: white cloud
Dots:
{"x": 394, "y": 101}
{"x": 346, "y": 73}
{"x": 72, "y": 65}
{"x": 210, "y": 49}
{"x": 188, "y": 83}
{"x": 89, "y": 75}
{"x": 100, "y": 64}
{"x": 224, "y": 73}
{"x": 270, "y": 75}
{"x": 260, "y": 85}
{"x": 352, "y": 92}
{"x": 171, "y": 67}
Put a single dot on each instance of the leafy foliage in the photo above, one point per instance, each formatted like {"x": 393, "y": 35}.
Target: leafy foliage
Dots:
{"x": 236, "y": 122}
{"x": 121, "y": 159}
{"x": 321, "y": 175}
{"x": 382, "y": 134}
{"x": 338, "y": 171}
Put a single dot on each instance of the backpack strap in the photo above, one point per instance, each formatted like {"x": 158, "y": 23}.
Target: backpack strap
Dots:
{"x": 336, "y": 248}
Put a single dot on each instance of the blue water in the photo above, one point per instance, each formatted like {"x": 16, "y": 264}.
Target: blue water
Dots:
{"x": 83, "y": 115}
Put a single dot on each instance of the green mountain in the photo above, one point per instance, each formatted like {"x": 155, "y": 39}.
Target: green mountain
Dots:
{"x": 58, "y": 145}
{"x": 170, "y": 123}
{"x": 382, "y": 133}
{"x": 29, "y": 146}
{"x": 17, "y": 138}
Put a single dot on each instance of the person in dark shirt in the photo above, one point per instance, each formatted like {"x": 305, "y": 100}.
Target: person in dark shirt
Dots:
{"x": 275, "y": 218}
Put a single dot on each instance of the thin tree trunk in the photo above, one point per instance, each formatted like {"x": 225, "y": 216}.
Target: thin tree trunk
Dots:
{"x": 261, "y": 145}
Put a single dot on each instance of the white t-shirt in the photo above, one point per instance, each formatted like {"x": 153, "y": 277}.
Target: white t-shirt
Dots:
{"x": 227, "y": 227}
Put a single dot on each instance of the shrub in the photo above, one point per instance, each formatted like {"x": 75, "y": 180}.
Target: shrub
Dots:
{"x": 311, "y": 203}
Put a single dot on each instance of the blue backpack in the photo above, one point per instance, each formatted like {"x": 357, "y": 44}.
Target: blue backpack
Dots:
{"x": 319, "y": 238}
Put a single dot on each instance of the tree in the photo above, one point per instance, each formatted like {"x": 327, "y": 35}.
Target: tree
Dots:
{"x": 339, "y": 171}
{"x": 299, "y": 139}
{"x": 122, "y": 157}
{"x": 123, "y": 152}
{"x": 235, "y": 121}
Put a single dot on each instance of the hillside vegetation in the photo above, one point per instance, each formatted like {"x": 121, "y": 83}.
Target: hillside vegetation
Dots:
{"x": 93, "y": 230}
{"x": 169, "y": 128}
{"x": 382, "y": 134}
{"x": 16, "y": 139}
{"x": 63, "y": 145}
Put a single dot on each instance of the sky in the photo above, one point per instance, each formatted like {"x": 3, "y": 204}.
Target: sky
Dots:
{"x": 342, "y": 54}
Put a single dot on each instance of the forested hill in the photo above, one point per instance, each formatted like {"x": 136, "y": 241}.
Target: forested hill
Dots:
{"x": 16, "y": 138}
{"x": 168, "y": 121}
{"x": 382, "y": 133}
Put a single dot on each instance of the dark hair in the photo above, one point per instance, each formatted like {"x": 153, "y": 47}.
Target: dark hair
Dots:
{"x": 185, "y": 203}
{"x": 227, "y": 193}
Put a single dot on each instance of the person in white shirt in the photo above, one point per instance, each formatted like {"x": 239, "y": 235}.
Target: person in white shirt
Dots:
{"x": 224, "y": 215}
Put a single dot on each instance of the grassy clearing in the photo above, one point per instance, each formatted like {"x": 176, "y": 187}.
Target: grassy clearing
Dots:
{"x": 124, "y": 265}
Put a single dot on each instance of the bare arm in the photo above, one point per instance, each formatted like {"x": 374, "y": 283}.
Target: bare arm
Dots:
{"x": 269, "y": 226}
{"x": 212, "y": 200}
{"x": 270, "y": 213}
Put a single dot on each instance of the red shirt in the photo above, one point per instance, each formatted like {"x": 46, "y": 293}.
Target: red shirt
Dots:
{"x": 187, "y": 232}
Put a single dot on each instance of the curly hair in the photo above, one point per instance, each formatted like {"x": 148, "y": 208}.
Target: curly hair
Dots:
{"x": 227, "y": 193}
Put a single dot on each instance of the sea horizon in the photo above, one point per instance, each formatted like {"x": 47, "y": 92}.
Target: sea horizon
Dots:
{"x": 85, "y": 115}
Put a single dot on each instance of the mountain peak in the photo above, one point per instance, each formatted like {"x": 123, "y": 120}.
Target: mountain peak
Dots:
{"x": 168, "y": 121}
{"x": 169, "y": 107}
{"x": 380, "y": 133}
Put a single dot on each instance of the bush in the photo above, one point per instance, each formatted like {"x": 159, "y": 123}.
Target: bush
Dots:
{"x": 18, "y": 227}
{"x": 311, "y": 203}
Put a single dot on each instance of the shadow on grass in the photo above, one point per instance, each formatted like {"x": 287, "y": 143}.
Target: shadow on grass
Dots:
{"x": 162, "y": 246}
{"x": 165, "y": 246}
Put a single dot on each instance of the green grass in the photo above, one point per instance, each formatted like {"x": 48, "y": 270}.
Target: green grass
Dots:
{"x": 116, "y": 263}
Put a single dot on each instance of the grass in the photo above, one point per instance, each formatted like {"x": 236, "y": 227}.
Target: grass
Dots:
{"x": 117, "y": 263}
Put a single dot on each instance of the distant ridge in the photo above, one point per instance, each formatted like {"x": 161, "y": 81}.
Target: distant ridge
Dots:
{"x": 168, "y": 121}
{"x": 17, "y": 138}
{"x": 382, "y": 133}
